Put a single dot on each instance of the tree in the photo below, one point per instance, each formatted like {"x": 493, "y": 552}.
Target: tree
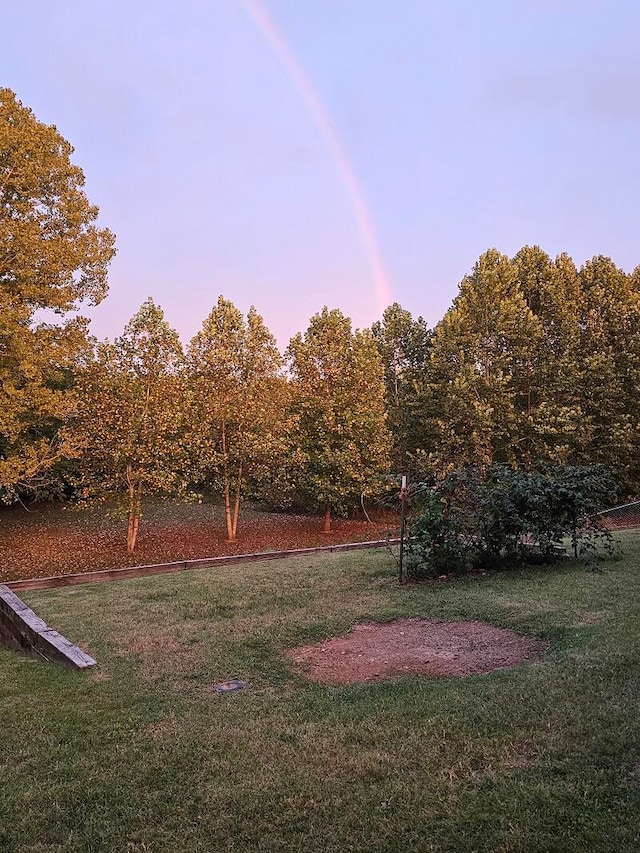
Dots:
{"x": 338, "y": 397}
{"x": 482, "y": 358}
{"x": 52, "y": 256}
{"x": 129, "y": 430}
{"x": 610, "y": 368}
{"x": 239, "y": 404}
{"x": 403, "y": 346}
{"x": 553, "y": 422}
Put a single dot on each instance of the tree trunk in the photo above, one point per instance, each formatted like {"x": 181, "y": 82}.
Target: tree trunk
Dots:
{"x": 130, "y": 541}
{"x": 327, "y": 519}
{"x": 134, "y": 514}
{"x": 227, "y": 509}
{"x": 134, "y": 536}
{"x": 236, "y": 508}
{"x": 231, "y": 534}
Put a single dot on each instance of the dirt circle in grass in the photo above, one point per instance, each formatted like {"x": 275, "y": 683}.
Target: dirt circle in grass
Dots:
{"x": 375, "y": 651}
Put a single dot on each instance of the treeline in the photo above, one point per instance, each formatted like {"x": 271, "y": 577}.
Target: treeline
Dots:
{"x": 224, "y": 416}
{"x": 140, "y": 416}
{"x": 536, "y": 363}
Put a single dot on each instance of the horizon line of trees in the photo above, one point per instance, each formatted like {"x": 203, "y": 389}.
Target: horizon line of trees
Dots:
{"x": 535, "y": 363}
{"x": 223, "y": 417}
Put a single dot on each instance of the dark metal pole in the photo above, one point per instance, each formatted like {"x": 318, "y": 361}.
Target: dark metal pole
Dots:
{"x": 403, "y": 514}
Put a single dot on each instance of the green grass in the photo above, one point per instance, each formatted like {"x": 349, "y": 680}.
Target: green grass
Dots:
{"x": 141, "y": 756}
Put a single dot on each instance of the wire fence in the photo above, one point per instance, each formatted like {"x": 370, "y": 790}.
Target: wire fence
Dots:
{"x": 622, "y": 517}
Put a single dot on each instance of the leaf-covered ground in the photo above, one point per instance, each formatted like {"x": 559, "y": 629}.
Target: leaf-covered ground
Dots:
{"x": 56, "y": 539}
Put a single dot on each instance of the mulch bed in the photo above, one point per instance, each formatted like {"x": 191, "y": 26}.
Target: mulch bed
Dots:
{"x": 53, "y": 539}
{"x": 372, "y": 651}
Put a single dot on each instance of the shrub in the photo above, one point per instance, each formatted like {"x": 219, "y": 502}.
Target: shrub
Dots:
{"x": 501, "y": 517}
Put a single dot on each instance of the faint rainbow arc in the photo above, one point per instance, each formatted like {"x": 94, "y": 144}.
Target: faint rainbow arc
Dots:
{"x": 322, "y": 120}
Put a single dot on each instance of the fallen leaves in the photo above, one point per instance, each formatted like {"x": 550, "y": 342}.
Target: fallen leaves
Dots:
{"x": 57, "y": 539}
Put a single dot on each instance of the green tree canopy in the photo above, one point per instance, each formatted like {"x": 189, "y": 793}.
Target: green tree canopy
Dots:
{"x": 129, "y": 430}
{"x": 610, "y": 369}
{"x": 538, "y": 362}
{"x": 403, "y": 344}
{"x": 52, "y": 256}
{"x": 481, "y": 365}
{"x": 239, "y": 404}
{"x": 553, "y": 426}
{"x": 338, "y": 397}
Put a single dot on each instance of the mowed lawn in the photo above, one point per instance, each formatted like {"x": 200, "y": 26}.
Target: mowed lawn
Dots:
{"x": 140, "y": 755}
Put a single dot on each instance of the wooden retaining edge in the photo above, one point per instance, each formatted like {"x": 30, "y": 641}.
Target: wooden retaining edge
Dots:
{"x": 24, "y": 630}
{"x": 185, "y": 565}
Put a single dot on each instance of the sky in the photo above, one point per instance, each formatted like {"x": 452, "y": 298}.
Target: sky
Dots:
{"x": 291, "y": 154}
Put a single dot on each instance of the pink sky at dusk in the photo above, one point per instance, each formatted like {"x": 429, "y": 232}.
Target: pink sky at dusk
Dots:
{"x": 298, "y": 154}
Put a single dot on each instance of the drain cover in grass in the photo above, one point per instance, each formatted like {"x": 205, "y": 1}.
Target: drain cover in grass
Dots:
{"x": 229, "y": 686}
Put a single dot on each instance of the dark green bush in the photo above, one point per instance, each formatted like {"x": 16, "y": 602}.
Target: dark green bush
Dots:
{"x": 501, "y": 517}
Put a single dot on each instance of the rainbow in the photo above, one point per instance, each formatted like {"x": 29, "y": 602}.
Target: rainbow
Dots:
{"x": 319, "y": 114}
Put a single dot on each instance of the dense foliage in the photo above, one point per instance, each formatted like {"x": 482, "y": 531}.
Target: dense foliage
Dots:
{"x": 403, "y": 345}
{"x": 338, "y": 401}
{"x": 129, "y": 429}
{"x": 239, "y": 412}
{"x": 535, "y": 363}
{"x": 52, "y": 256}
{"x": 504, "y": 517}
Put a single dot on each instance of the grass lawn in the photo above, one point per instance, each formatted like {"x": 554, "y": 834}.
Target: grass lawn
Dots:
{"x": 140, "y": 756}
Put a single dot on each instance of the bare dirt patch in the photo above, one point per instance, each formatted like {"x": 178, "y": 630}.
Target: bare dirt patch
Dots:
{"x": 372, "y": 652}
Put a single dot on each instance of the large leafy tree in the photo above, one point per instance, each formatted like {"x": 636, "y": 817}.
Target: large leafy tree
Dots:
{"x": 129, "y": 431}
{"x": 482, "y": 360}
{"x": 403, "y": 345}
{"x": 240, "y": 422}
{"x": 538, "y": 362}
{"x": 52, "y": 256}
{"x": 553, "y": 426}
{"x": 610, "y": 368}
{"x": 338, "y": 397}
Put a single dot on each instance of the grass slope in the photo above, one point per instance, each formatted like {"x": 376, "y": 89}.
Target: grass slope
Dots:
{"x": 139, "y": 756}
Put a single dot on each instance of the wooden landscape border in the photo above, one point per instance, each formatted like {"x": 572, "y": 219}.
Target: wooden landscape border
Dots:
{"x": 24, "y": 630}
{"x": 185, "y": 565}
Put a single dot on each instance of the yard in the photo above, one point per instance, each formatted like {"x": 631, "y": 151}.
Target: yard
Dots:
{"x": 141, "y": 755}
{"x": 56, "y": 539}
